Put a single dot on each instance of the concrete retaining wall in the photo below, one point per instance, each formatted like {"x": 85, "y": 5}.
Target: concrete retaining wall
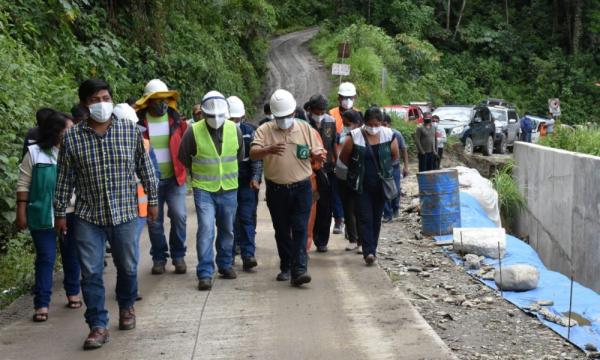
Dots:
{"x": 563, "y": 217}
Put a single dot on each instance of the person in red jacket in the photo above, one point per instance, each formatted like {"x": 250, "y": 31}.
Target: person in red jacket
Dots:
{"x": 162, "y": 125}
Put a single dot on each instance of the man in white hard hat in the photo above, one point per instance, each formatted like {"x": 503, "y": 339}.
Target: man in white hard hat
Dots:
{"x": 250, "y": 176}
{"x": 164, "y": 127}
{"x": 212, "y": 150}
{"x": 346, "y": 99}
{"x": 287, "y": 146}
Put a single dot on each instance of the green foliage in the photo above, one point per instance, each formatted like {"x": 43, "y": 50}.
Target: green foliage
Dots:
{"x": 525, "y": 60}
{"x": 510, "y": 199}
{"x": 17, "y": 264}
{"x": 581, "y": 140}
{"x": 49, "y": 47}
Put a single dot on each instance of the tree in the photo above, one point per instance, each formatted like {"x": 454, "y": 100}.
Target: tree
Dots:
{"x": 462, "y": 11}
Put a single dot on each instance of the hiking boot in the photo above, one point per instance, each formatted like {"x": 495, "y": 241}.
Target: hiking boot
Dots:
{"x": 249, "y": 262}
{"x": 370, "y": 259}
{"x": 204, "y": 284}
{"x": 158, "y": 267}
{"x": 127, "y": 319}
{"x": 96, "y": 338}
{"x": 303, "y": 278}
{"x": 228, "y": 273}
{"x": 283, "y": 276}
{"x": 180, "y": 266}
{"x": 322, "y": 249}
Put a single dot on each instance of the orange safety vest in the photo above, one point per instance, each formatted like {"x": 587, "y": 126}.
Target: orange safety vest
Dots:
{"x": 141, "y": 194}
{"x": 339, "y": 122}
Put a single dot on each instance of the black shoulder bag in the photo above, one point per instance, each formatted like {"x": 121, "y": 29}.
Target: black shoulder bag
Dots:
{"x": 390, "y": 190}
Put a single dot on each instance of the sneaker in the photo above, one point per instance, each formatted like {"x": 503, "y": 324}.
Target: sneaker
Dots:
{"x": 283, "y": 276}
{"x": 158, "y": 268}
{"x": 180, "y": 266}
{"x": 338, "y": 228}
{"x": 96, "y": 338}
{"x": 370, "y": 259}
{"x": 322, "y": 249}
{"x": 359, "y": 249}
{"x": 386, "y": 220}
{"x": 396, "y": 214}
{"x": 249, "y": 262}
{"x": 303, "y": 278}
{"x": 351, "y": 246}
{"x": 228, "y": 273}
{"x": 204, "y": 284}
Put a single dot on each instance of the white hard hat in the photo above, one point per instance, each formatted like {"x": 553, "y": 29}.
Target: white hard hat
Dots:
{"x": 282, "y": 103}
{"x": 157, "y": 89}
{"x": 215, "y": 104}
{"x": 125, "y": 112}
{"x": 236, "y": 107}
{"x": 347, "y": 89}
{"x": 154, "y": 86}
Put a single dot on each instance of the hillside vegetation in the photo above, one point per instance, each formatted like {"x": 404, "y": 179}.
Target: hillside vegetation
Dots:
{"x": 49, "y": 47}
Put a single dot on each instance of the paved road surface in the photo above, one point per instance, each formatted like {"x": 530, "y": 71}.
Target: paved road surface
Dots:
{"x": 349, "y": 311}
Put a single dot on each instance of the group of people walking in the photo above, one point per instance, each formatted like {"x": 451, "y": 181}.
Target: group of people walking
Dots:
{"x": 94, "y": 178}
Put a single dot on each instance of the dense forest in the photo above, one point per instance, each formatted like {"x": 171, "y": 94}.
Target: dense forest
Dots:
{"x": 444, "y": 51}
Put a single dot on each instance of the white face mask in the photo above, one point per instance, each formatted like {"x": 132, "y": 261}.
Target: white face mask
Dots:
{"x": 434, "y": 124}
{"x": 317, "y": 118}
{"x": 215, "y": 122}
{"x": 373, "y": 130}
{"x": 347, "y": 104}
{"x": 346, "y": 130}
{"x": 101, "y": 111}
{"x": 285, "y": 123}
{"x": 271, "y": 116}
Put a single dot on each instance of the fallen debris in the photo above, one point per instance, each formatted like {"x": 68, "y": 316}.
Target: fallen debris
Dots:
{"x": 472, "y": 261}
{"x": 519, "y": 277}
{"x": 550, "y": 316}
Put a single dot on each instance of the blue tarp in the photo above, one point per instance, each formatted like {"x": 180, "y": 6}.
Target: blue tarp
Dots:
{"x": 552, "y": 285}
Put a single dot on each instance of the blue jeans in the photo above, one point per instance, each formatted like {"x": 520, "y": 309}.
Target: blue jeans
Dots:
{"x": 44, "y": 242}
{"x": 211, "y": 208}
{"x": 90, "y": 246}
{"x": 245, "y": 220}
{"x": 174, "y": 195}
{"x": 370, "y": 202}
{"x": 290, "y": 210}
{"x": 139, "y": 228}
{"x": 392, "y": 206}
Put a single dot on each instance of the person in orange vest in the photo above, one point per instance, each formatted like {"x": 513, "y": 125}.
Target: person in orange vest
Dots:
{"x": 346, "y": 100}
{"x": 126, "y": 112}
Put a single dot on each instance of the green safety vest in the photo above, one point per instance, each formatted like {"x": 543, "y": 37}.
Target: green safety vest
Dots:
{"x": 212, "y": 171}
{"x": 40, "y": 209}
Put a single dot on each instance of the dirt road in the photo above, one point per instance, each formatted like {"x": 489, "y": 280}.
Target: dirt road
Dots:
{"x": 294, "y": 68}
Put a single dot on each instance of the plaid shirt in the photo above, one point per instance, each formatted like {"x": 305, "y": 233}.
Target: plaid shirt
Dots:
{"x": 102, "y": 170}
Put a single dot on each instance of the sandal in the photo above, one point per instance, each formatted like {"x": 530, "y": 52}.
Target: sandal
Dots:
{"x": 40, "y": 317}
{"x": 74, "y": 304}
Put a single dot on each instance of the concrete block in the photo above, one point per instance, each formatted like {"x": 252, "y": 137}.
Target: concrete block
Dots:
{"x": 519, "y": 277}
{"x": 480, "y": 241}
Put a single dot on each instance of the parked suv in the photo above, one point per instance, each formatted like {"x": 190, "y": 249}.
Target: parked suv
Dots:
{"x": 454, "y": 118}
{"x": 481, "y": 132}
{"x": 507, "y": 123}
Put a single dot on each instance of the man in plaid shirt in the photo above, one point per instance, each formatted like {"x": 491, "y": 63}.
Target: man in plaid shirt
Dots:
{"x": 99, "y": 158}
